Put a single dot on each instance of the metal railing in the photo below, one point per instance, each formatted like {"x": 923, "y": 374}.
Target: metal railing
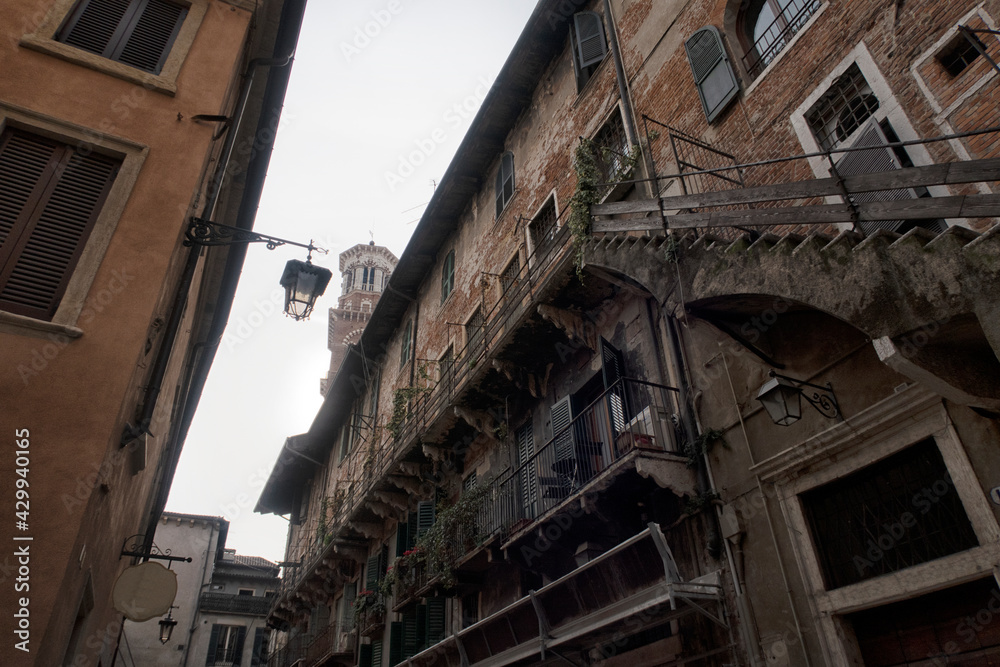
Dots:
{"x": 235, "y": 604}
{"x": 629, "y": 415}
{"x": 777, "y": 34}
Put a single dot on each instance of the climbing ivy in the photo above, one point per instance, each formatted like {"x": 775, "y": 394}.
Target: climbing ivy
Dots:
{"x": 401, "y": 408}
{"x": 588, "y": 176}
{"x": 703, "y": 444}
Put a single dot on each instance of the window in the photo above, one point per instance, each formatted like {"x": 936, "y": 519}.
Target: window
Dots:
{"x": 225, "y": 646}
{"x": 246, "y": 591}
{"x": 348, "y": 280}
{"x": 51, "y": 200}
{"x": 448, "y": 276}
{"x": 850, "y": 114}
{"x": 138, "y": 33}
{"x": 446, "y": 366}
{"x": 505, "y": 182}
{"x": 843, "y": 109}
{"x": 613, "y": 154}
{"x": 407, "y": 344}
{"x": 713, "y": 75}
{"x": 542, "y": 228}
{"x": 474, "y": 330}
{"x": 368, "y": 279}
{"x": 589, "y": 46}
{"x": 510, "y": 274}
{"x": 899, "y": 512}
{"x": 527, "y": 476}
{"x": 766, "y": 27}
{"x": 960, "y": 52}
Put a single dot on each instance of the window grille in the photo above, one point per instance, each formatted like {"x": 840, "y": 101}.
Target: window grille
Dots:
{"x": 542, "y": 228}
{"x": 769, "y": 25}
{"x": 510, "y": 274}
{"x": 612, "y": 150}
{"x": 843, "y": 109}
{"x": 474, "y": 330}
{"x": 894, "y": 514}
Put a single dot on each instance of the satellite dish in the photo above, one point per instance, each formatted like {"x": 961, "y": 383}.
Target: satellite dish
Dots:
{"x": 145, "y": 591}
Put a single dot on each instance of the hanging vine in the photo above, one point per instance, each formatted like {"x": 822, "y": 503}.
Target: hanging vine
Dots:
{"x": 588, "y": 176}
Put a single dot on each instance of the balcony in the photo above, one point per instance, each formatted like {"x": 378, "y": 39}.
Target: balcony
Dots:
{"x": 635, "y": 585}
{"x": 629, "y": 427}
{"x": 223, "y": 603}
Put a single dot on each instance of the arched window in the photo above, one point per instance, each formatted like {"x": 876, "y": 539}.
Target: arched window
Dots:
{"x": 766, "y": 26}
{"x": 505, "y": 182}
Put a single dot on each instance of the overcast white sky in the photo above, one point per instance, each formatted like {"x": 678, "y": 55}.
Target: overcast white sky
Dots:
{"x": 373, "y": 85}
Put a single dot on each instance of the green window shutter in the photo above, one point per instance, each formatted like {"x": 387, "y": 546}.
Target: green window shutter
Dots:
{"x": 213, "y": 643}
{"x": 448, "y": 275}
{"x": 377, "y": 653}
{"x": 395, "y": 643}
{"x": 528, "y": 475}
{"x": 425, "y": 517}
{"x": 411, "y": 530}
{"x": 591, "y": 45}
{"x": 435, "y": 620}
{"x": 51, "y": 198}
{"x": 409, "y": 633}
{"x": 421, "y": 627}
{"x": 241, "y": 635}
{"x": 372, "y": 572}
{"x": 365, "y": 655}
{"x": 713, "y": 74}
{"x": 138, "y": 33}
{"x": 401, "y": 539}
{"x": 562, "y": 434}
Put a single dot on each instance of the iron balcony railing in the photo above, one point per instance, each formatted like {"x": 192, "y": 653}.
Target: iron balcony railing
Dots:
{"x": 777, "y": 34}
{"x": 235, "y": 604}
{"x": 630, "y": 415}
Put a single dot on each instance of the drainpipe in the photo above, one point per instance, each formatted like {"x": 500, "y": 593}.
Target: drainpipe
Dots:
{"x": 196, "y": 371}
{"x": 623, "y": 90}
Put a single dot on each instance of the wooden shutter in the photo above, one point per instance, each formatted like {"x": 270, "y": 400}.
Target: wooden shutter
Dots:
{"x": 591, "y": 46}
{"x": 409, "y": 633}
{"x": 878, "y": 158}
{"x": 259, "y": 642}
{"x": 138, "y": 33}
{"x": 50, "y": 200}
{"x": 365, "y": 655}
{"x": 377, "y": 653}
{"x": 421, "y": 628}
{"x": 241, "y": 635}
{"x": 713, "y": 74}
{"x": 425, "y": 517}
{"x": 372, "y": 573}
{"x": 411, "y": 530}
{"x": 562, "y": 416}
{"x": 448, "y": 275}
{"x": 528, "y": 475}
{"x": 213, "y": 644}
{"x": 613, "y": 370}
{"x": 395, "y": 643}
{"x": 435, "y": 620}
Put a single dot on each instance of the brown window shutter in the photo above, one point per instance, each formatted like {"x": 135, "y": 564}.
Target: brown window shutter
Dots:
{"x": 134, "y": 32}
{"x": 50, "y": 197}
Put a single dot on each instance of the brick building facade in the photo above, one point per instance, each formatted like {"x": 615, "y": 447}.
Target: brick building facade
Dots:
{"x": 551, "y": 446}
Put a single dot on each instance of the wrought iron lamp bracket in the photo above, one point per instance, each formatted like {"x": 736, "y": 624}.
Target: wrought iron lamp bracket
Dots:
{"x": 820, "y": 397}
{"x": 134, "y": 547}
{"x": 203, "y": 232}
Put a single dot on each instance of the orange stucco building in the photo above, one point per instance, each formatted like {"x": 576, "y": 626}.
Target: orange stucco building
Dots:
{"x": 120, "y": 120}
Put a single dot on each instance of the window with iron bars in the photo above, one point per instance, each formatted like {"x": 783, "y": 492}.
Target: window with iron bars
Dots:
{"x": 542, "y": 227}
{"x": 768, "y": 26}
{"x": 843, "y": 109}
{"x": 894, "y": 514}
{"x": 474, "y": 330}
{"x": 510, "y": 274}
{"x": 959, "y": 53}
{"x": 613, "y": 159}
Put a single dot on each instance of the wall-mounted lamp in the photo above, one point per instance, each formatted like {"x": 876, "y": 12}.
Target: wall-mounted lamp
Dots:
{"x": 303, "y": 282}
{"x": 167, "y": 626}
{"x": 782, "y": 398}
